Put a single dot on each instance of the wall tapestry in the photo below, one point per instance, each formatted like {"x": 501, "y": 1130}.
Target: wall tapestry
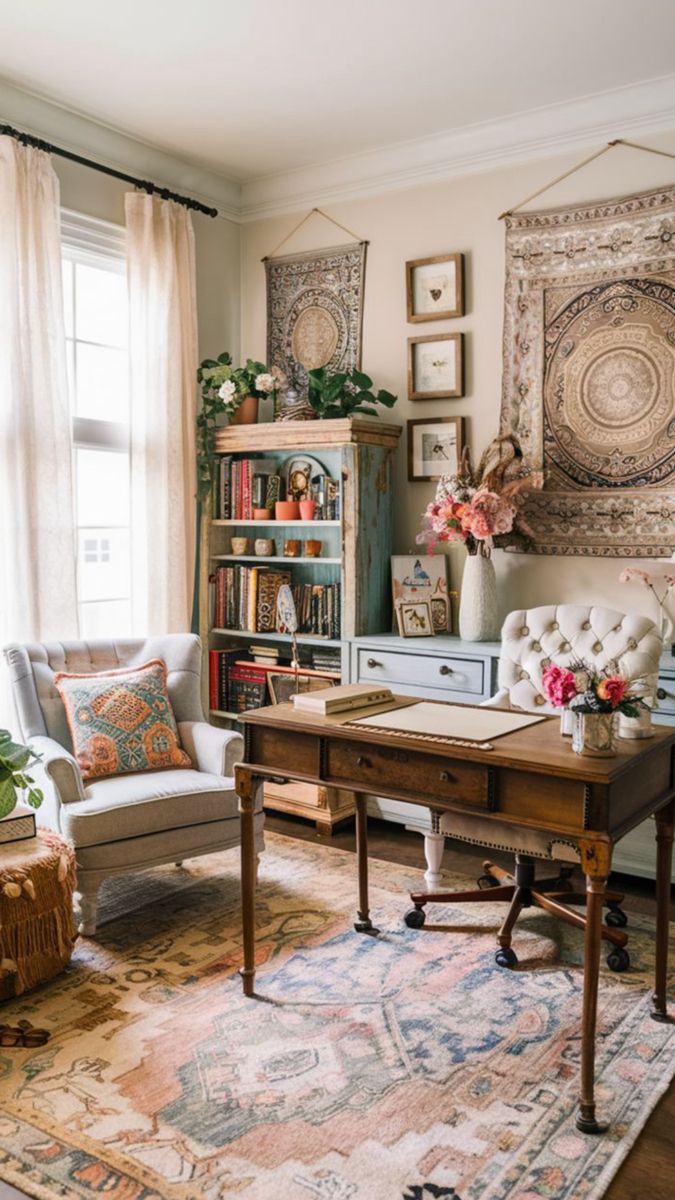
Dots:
{"x": 315, "y": 310}
{"x": 589, "y": 372}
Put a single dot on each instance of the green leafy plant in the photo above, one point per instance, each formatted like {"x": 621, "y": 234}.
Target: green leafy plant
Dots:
{"x": 14, "y": 759}
{"x": 344, "y": 393}
{"x": 223, "y": 389}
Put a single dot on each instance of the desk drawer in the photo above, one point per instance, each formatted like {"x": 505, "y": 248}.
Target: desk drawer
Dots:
{"x": 421, "y": 670}
{"x": 435, "y": 779}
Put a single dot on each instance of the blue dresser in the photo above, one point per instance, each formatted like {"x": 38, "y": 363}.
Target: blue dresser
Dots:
{"x": 446, "y": 668}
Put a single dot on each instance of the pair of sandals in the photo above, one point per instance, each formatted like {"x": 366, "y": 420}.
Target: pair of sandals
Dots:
{"x": 23, "y": 1036}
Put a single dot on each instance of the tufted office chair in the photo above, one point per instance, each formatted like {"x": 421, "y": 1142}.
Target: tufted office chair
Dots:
{"x": 128, "y": 822}
{"x": 531, "y": 639}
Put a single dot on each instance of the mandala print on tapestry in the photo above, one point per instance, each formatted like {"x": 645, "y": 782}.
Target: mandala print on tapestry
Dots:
{"x": 589, "y": 372}
{"x": 315, "y": 310}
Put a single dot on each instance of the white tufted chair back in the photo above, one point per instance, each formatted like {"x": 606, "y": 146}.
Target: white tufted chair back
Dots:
{"x": 564, "y": 633}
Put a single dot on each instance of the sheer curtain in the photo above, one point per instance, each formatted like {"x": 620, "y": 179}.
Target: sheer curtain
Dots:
{"x": 38, "y": 564}
{"x": 163, "y": 353}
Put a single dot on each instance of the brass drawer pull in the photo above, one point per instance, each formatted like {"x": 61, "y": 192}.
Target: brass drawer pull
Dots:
{"x": 362, "y": 761}
{"x": 662, "y": 694}
{"x": 446, "y": 777}
{"x": 372, "y": 662}
{"x": 445, "y": 670}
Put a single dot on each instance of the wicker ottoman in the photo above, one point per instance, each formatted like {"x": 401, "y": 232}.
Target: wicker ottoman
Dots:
{"x": 37, "y": 927}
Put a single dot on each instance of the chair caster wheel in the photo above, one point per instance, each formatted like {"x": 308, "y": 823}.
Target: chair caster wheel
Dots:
{"x": 618, "y": 959}
{"x": 486, "y": 881}
{"x": 506, "y": 957}
{"x": 616, "y": 917}
{"x": 415, "y": 918}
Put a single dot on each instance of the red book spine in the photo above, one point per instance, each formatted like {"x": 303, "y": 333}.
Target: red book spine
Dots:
{"x": 247, "y": 508}
{"x": 214, "y": 669}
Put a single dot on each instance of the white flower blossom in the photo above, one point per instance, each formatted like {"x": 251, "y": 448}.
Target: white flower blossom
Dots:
{"x": 226, "y": 392}
{"x": 264, "y": 382}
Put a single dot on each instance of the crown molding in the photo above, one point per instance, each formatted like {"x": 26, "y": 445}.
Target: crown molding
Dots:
{"x": 94, "y": 139}
{"x": 537, "y": 133}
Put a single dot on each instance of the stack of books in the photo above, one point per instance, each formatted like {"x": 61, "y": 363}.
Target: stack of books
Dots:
{"x": 248, "y": 687}
{"x": 324, "y": 658}
{"x": 220, "y": 667}
{"x": 235, "y": 498}
{"x": 246, "y": 598}
{"x": 318, "y": 608}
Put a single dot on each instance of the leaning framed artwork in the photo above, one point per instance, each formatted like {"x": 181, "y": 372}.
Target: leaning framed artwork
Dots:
{"x": 435, "y": 287}
{"x": 436, "y": 366}
{"x": 435, "y": 447}
{"x": 414, "y": 618}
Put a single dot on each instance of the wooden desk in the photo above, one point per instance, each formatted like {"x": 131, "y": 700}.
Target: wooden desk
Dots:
{"x": 530, "y": 781}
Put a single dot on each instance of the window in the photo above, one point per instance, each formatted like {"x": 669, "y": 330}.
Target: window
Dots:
{"x": 96, "y": 320}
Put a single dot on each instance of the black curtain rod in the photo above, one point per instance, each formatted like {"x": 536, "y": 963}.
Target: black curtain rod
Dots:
{"x": 27, "y": 139}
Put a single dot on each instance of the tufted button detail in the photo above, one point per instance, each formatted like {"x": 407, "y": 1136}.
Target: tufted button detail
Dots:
{"x": 524, "y": 631}
{"x": 555, "y": 625}
{"x": 632, "y": 645}
{"x": 616, "y": 629}
{"x": 597, "y": 647}
{"x": 586, "y": 625}
{"x": 545, "y": 662}
{"x": 539, "y": 700}
{"x": 536, "y": 646}
{"x": 523, "y": 675}
{"x": 565, "y": 646}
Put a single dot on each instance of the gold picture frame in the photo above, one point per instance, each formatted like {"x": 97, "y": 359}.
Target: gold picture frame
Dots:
{"x": 414, "y": 618}
{"x": 436, "y": 366}
{"x": 435, "y": 287}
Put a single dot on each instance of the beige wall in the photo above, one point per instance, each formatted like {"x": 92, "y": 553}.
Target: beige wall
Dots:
{"x": 457, "y": 216}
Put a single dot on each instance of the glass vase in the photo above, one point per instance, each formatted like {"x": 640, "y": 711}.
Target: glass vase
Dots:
{"x": 594, "y": 734}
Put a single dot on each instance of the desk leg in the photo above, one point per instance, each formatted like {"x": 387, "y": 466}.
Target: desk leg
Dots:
{"x": 665, "y": 819}
{"x": 245, "y": 784}
{"x": 595, "y": 859}
{"x": 364, "y": 923}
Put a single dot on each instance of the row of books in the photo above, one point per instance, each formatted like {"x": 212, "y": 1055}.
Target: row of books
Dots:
{"x": 246, "y": 597}
{"x": 243, "y": 484}
{"x": 236, "y": 684}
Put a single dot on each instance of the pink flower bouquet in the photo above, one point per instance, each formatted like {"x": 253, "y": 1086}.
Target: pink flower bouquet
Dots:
{"x": 585, "y": 690}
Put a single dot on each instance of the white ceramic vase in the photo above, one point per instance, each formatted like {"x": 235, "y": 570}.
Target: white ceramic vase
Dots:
{"x": 478, "y": 613}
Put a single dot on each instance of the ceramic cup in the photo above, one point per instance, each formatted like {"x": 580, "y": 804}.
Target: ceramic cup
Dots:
{"x": 307, "y": 509}
{"x": 263, "y": 547}
{"x": 291, "y": 548}
{"x": 239, "y": 545}
{"x": 312, "y": 548}
{"x": 287, "y": 510}
{"x": 261, "y": 514}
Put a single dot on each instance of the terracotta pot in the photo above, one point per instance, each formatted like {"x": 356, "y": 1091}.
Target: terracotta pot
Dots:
{"x": 287, "y": 510}
{"x": 261, "y": 514}
{"x": 307, "y": 509}
{"x": 247, "y": 413}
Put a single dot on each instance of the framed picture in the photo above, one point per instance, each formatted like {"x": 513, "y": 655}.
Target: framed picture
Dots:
{"x": 435, "y": 287}
{"x": 423, "y": 577}
{"x": 282, "y": 685}
{"x": 435, "y": 447}
{"x": 414, "y": 618}
{"x": 436, "y": 366}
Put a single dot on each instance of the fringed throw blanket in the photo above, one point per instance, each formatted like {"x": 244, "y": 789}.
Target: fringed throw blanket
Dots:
{"x": 589, "y": 372}
{"x": 37, "y": 928}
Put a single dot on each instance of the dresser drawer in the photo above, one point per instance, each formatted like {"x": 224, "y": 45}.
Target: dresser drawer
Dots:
{"x": 432, "y": 778}
{"x": 421, "y": 670}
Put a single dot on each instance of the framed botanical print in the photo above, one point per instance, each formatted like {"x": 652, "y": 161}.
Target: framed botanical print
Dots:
{"x": 436, "y": 366}
{"x": 435, "y": 287}
{"x": 435, "y": 447}
{"x": 414, "y": 618}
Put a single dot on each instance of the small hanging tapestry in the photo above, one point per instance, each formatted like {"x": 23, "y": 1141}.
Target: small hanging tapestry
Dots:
{"x": 315, "y": 310}
{"x": 589, "y": 372}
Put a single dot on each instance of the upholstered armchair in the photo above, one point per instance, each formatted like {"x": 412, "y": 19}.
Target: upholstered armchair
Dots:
{"x": 531, "y": 639}
{"x": 126, "y": 823}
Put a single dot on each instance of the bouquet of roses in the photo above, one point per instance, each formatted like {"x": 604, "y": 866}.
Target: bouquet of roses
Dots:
{"x": 481, "y": 508}
{"x": 585, "y": 690}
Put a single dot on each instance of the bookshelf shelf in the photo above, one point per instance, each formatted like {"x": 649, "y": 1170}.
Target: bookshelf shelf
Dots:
{"x": 289, "y": 559}
{"x": 279, "y": 524}
{"x": 308, "y": 639}
{"x": 357, "y": 455}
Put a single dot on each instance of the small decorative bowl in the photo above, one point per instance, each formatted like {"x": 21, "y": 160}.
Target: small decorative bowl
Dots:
{"x": 292, "y": 548}
{"x": 263, "y": 547}
{"x": 239, "y": 545}
{"x": 312, "y": 548}
{"x": 261, "y": 514}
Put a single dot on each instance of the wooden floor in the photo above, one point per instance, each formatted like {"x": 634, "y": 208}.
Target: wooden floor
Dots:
{"x": 649, "y": 1171}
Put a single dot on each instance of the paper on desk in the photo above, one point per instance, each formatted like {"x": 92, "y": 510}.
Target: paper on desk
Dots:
{"x": 451, "y": 721}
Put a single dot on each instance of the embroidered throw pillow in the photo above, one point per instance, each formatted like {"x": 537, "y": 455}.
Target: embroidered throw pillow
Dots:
{"x": 121, "y": 721}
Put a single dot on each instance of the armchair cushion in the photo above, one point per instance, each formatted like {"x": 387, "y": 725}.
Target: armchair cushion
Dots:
{"x": 121, "y": 721}
{"x": 130, "y": 806}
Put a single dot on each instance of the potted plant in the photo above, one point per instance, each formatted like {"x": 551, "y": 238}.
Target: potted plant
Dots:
{"x": 227, "y": 391}
{"x": 344, "y": 393}
{"x": 14, "y": 759}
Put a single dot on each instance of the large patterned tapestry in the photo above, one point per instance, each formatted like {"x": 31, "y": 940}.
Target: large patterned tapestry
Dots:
{"x": 589, "y": 372}
{"x": 315, "y": 310}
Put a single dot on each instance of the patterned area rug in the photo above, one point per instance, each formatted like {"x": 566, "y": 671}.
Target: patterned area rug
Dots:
{"x": 403, "y": 1067}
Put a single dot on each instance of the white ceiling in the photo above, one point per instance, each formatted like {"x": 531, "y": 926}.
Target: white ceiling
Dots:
{"x": 249, "y": 88}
